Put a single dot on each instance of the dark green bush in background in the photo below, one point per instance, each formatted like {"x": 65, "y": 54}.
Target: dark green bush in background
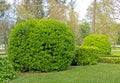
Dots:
{"x": 86, "y": 55}
{"x": 100, "y": 41}
{"x": 41, "y": 45}
{"x": 7, "y": 71}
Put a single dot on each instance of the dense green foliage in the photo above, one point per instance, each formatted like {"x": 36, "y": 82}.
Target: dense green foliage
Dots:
{"x": 84, "y": 31}
{"x": 111, "y": 59}
{"x": 100, "y": 41}
{"x": 118, "y": 38}
{"x": 7, "y": 71}
{"x": 41, "y": 45}
{"x": 86, "y": 55}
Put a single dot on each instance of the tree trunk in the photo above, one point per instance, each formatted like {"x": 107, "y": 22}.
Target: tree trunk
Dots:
{"x": 94, "y": 15}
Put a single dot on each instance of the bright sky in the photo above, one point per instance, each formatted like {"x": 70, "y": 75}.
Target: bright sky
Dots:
{"x": 81, "y": 7}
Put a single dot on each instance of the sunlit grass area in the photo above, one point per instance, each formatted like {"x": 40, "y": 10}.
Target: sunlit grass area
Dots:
{"x": 2, "y": 50}
{"x": 116, "y": 48}
{"x": 115, "y": 53}
{"x": 101, "y": 73}
{"x": 2, "y": 53}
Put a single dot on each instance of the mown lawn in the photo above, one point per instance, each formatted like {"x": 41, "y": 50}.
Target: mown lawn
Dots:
{"x": 2, "y": 50}
{"x": 2, "y": 53}
{"x": 116, "y": 48}
{"x": 115, "y": 53}
{"x": 101, "y": 73}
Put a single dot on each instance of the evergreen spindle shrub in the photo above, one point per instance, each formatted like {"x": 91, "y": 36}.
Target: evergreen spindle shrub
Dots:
{"x": 41, "y": 45}
{"x": 86, "y": 55}
{"x": 7, "y": 71}
{"x": 100, "y": 41}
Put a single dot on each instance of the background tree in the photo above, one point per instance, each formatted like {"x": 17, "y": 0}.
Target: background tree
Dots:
{"x": 58, "y": 10}
{"x": 94, "y": 17}
{"x": 3, "y": 6}
{"x": 84, "y": 30}
{"x": 104, "y": 23}
{"x": 73, "y": 20}
{"x": 30, "y": 9}
{"x": 4, "y": 30}
{"x": 115, "y": 5}
{"x": 63, "y": 10}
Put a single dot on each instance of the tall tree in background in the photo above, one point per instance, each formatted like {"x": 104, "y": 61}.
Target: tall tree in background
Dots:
{"x": 58, "y": 10}
{"x": 63, "y": 10}
{"x": 4, "y": 30}
{"x": 73, "y": 17}
{"x": 115, "y": 4}
{"x": 94, "y": 16}
{"x": 84, "y": 30}
{"x": 105, "y": 23}
{"x": 73, "y": 20}
{"x": 30, "y": 9}
{"x": 3, "y": 6}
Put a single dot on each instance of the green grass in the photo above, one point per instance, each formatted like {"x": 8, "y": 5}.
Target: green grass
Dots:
{"x": 3, "y": 56}
{"x": 115, "y": 53}
{"x": 1, "y": 50}
{"x": 2, "y": 53}
{"x": 101, "y": 73}
{"x": 115, "y": 48}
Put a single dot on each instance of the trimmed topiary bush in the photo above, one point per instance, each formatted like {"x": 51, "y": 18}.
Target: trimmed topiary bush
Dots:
{"x": 100, "y": 41}
{"x": 7, "y": 71}
{"x": 41, "y": 45}
{"x": 111, "y": 59}
{"x": 86, "y": 55}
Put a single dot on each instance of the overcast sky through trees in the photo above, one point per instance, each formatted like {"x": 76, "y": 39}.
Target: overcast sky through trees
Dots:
{"x": 81, "y": 7}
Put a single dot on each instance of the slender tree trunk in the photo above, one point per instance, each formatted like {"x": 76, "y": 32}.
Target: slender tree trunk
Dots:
{"x": 94, "y": 17}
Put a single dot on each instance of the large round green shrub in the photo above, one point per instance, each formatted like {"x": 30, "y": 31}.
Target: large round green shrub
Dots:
{"x": 7, "y": 71}
{"x": 86, "y": 55}
{"x": 100, "y": 41}
{"x": 41, "y": 45}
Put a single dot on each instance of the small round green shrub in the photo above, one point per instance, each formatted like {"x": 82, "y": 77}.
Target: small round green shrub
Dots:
{"x": 100, "y": 41}
{"x": 7, "y": 71}
{"x": 41, "y": 45}
{"x": 86, "y": 55}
